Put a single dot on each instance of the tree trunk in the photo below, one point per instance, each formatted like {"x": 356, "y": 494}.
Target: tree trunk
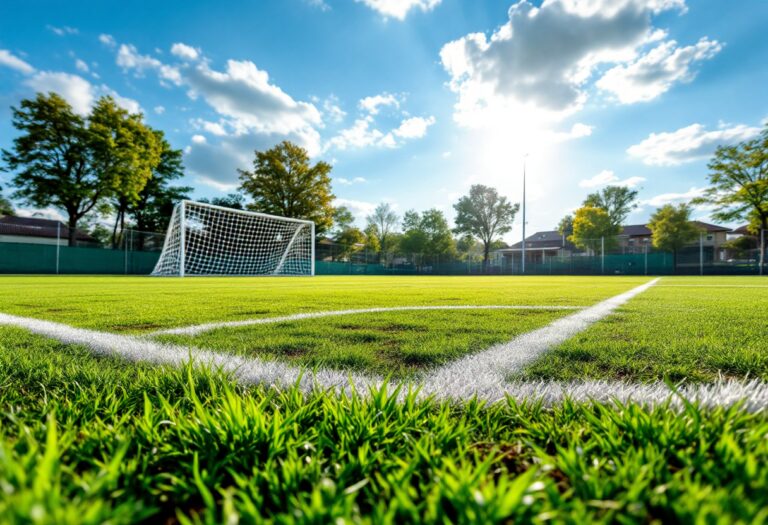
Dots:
{"x": 72, "y": 223}
{"x": 486, "y": 256}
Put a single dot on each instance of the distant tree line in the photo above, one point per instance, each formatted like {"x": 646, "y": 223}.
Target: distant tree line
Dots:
{"x": 110, "y": 163}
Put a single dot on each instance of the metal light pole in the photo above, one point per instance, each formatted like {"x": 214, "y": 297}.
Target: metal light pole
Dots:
{"x": 522, "y": 267}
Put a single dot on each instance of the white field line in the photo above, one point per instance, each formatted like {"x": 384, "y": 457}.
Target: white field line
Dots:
{"x": 200, "y": 328}
{"x": 753, "y": 394}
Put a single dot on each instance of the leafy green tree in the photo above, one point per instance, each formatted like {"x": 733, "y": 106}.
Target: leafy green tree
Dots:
{"x": 235, "y": 201}
{"x": 617, "y": 201}
{"x": 284, "y": 183}
{"x": 125, "y": 153}
{"x": 372, "y": 243}
{"x": 52, "y": 158}
{"x": 414, "y": 240}
{"x": 350, "y": 240}
{"x": 671, "y": 228}
{"x": 469, "y": 248}
{"x": 738, "y": 177}
{"x": 342, "y": 219}
{"x": 6, "y": 208}
{"x": 565, "y": 226}
{"x": 152, "y": 211}
{"x": 383, "y": 222}
{"x": 593, "y": 229}
{"x": 485, "y": 215}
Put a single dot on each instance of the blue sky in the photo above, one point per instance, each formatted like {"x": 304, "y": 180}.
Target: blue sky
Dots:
{"x": 415, "y": 100}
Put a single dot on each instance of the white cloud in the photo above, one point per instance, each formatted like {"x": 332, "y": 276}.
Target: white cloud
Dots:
{"x": 360, "y": 135}
{"x": 63, "y": 30}
{"x": 184, "y": 51}
{"x": 673, "y": 198}
{"x": 82, "y": 66}
{"x": 688, "y": 144}
{"x": 350, "y": 182}
{"x": 74, "y": 89}
{"x": 534, "y": 69}
{"x": 399, "y": 8}
{"x": 360, "y": 209}
{"x": 198, "y": 139}
{"x": 159, "y": 110}
{"x": 607, "y": 177}
{"x": 372, "y": 104}
{"x": 655, "y": 72}
{"x": 214, "y": 128}
{"x": 107, "y": 40}
{"x": 7, "y": 59}
{"x": 320, "y": 4}
{"x": 414, "y": 127}
{"x": 223, "y": 187}
{"x": 46, "y": 213}
{"x": 332, "y": 110}
{"x": 129, "y": 58}
{"x": 126, "y": 103}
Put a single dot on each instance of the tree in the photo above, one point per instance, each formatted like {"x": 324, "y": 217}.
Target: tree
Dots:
{"x": 565, "y": 226}
{"x": 342, "y": 219}
{"x": 152, "y": 210}
{"x": 617, "y": 201}
{"x": 671, "y": 228}
{"x": 372, "y": 244}
{"x": 349, "y": 238}
{"x": 484, "y": 214}
{"x": 53, "y": 159}
{"x": 125, "y": 152}
{"x": 593, "y": 229}
{"x": 284, "y": 183}
{"x": 738, "y": 176}
{"x": 236, "y": 201}
{"x": 384, "y": 221}
{"x": 6, "y": 208}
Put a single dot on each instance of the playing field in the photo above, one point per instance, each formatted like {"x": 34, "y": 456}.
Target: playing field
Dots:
{"x": 383, "y": 399}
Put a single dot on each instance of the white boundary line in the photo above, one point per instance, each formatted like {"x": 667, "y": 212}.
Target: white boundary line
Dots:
{"x": 200, "y": 328}
{"x": 481, "y": 375}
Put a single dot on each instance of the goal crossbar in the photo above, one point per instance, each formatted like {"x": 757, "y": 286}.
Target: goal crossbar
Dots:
{"x": 206, "y": 239}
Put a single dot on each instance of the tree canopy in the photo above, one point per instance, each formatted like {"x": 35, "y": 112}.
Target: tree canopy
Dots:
{"x": 236, "y": 201}
{"x": 6, "y": 208}
{"x": 617, "y": 201}
{"x": 593, "y": 229}
{"x": 485, "y": 215}
{"x": 284, "y": 183}
{"x": 738, "y": 177}
{"x": 427, "y": 235}
{"x": 382, "y": 223}
{"x": 671, "y": 228}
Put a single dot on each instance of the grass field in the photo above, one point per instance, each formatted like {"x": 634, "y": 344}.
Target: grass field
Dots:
{"x": 89, "y": 439}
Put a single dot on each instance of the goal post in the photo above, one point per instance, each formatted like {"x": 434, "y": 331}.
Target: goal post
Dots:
{"x": 205, "y": 239}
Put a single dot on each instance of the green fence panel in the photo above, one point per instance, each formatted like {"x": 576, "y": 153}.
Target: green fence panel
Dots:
{"x": 41, "y": 258}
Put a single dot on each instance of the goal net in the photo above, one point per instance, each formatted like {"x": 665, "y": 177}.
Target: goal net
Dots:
{"x": 204, "y": 239}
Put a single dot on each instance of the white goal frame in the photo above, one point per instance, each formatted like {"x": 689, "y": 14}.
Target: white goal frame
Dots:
{"x": 175, "y": 260}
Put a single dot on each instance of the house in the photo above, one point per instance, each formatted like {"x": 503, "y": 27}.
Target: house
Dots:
{"x": 36, "y": 230}
{"x": 635, "y": 237}
{"x": 538, "y": 247}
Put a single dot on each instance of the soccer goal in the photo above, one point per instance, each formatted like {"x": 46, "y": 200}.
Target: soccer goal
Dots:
{"x": 204, "y": 239}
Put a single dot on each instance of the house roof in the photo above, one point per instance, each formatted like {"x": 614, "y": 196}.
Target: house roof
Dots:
{"x": 38, "y": 227}
{"x": 633, "y": 230}
{"x": 742, "y": 230}
{"x": 711, "y": 228}
{"x": 546, "y": 240}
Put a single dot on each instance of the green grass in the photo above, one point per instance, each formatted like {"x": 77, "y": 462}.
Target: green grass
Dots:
{"x": 397, "y": 344}
{"x": 93, "y": 440}
{"x": 689, "y": 329}
{"x": 141, "y": 304}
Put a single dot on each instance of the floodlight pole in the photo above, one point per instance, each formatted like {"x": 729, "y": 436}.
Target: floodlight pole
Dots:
{"x": 522, "y": 266}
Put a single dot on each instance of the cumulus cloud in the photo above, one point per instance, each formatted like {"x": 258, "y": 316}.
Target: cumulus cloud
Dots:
{"x": 673, "y": 198}
{"x": 63, "y": 30}
{"x": 360, "y": 209}
{"x": 126, "y": 103}
{"x": 184, "y": 51}
{"x": 73, "y": 88}
{"x": 159, "y": 110}
{"x": 80, "y": 65}
{"x": 414, "y": 127}
{"x": 349, "y": 182}
{"x": 129, "y": 59}
{"x": 399, "y": 8}
{"x": 607, "y": 177}
{"x": 372, "y": 104}
{"x": 655, "y": 72}
{"x": 688, "y": 144}
{"x": 107, "y": 40}
{"x": 8, "y": 59}
{"x": 541, "y": 60}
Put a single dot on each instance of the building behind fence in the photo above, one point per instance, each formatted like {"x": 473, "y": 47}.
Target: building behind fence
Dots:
{"x": 31, "y": 245}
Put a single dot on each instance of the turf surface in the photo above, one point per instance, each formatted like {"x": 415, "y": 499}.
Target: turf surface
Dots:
{"x": 395, "y": 344}
{"x": 91, "y": 440}
{"x": 141, "y": 304}
{"x": 693, "y": 329}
